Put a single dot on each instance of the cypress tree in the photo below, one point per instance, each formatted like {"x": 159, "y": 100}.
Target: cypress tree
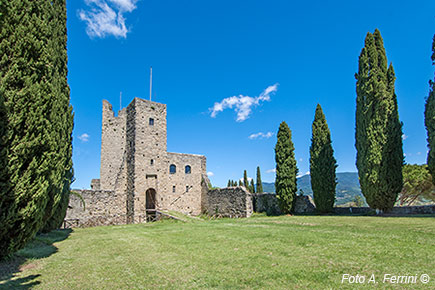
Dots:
{"x": 62, "y": 118}
{"x": 286, "y": 169}
{"x": 245, "y": 180}
{"x": 252, "y": 187}
{"x": 429, "y": 121}
{"x": 322, "y": 164}
{"x": 229, "y": 183}
{"x": 259, "y": 182}
{"x": 240, "y": 183}
{"x": 34, "y": 106}
{"x": 378, "y": 136}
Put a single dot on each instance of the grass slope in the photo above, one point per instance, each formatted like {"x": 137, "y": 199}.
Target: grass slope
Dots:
{"x": 308, "y": 252}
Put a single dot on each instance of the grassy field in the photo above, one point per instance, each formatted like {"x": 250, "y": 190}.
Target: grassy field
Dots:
{"x": 287, "y": 252}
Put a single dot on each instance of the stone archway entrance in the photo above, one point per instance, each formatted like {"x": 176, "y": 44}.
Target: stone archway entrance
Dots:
{"x": 151, "y": 204}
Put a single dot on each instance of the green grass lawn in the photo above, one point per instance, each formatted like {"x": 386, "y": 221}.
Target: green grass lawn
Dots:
{"x": 286, "y": 252}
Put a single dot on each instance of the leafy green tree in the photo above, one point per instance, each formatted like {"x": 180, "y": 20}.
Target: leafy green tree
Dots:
{"x": 378, "y": 136}
{"x": 417, "y": 184}
{"x": 35, "y": 140}
{"x": 245, "y": 180}
{"x": 286, "y": 169}
{"x": 429, "y": 121}
{"x": 252, "y": 186}
{"x": 259, "y": 182}
{"x": 322, "y": 164}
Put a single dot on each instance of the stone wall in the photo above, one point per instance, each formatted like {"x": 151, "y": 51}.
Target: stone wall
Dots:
{"x": 101, "y": 208}
{"x": 113, "y": 141}
{"x": 233, "y": 202}
{"x": 396, "y": 211}
{"x": 184, "y": 189}
{"x": 268, "y": 203}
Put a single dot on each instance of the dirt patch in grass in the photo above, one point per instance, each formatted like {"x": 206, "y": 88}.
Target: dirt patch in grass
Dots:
{"x": 28, "y": 266}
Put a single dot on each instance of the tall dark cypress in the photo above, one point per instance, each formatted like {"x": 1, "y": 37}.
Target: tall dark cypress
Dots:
{"x": 378, "y": 136}
{"x": 286, "y": 169}
{"x": 259, "y": 182}
{"x": 322, "y": 164}
{"x": 245, "y": 180}
{"x": 33, "y": 103}
{"x": 62, "y": 118}
{"x": 252, "y": 186}
{"x": 429, "y": 121}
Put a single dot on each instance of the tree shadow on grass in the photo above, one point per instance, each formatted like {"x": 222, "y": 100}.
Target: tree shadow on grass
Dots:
{"x": 38, "y": 248}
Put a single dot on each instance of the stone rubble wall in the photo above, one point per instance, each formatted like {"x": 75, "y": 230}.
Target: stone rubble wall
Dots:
{"x": 268, "y": 203}
{"x": 102, "y": 207}
{"x": 233, "y": 202}
{"x": 397, "y": 210}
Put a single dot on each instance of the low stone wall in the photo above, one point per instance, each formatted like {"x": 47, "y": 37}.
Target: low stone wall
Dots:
{"x": 268, "y": 203}
{"x": 101, "y": 208}
{"x": 396, "y": 211}
{"x": 233, "y": 202}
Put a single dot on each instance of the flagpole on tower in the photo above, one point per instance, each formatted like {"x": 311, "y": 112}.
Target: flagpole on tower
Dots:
{"x": 151, "y": 81}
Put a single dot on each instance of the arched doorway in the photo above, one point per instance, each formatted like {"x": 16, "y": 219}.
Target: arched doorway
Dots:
{"x": 150, "y": 199}
{"x": 150, "y": 205}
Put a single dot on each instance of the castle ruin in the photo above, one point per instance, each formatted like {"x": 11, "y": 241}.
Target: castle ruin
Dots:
{"x": 137, "y": 174}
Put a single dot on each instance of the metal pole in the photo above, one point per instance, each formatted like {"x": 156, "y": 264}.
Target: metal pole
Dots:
{"x": 151, "y": 81}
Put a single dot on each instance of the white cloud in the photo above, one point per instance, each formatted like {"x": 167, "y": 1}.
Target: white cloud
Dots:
{"x": 271, "y": 170}
{"x": 210, "y": 173}
{"x": 242, "y": 104}
{"x": 84, "y": 137}
{"x": 106, "y": 17}
{"x": 404, "y": 137}
{"x": 301, "y": 174}
{"x": 260, "y": 135}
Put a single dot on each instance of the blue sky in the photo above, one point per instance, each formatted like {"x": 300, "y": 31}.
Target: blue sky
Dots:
{"x": 277, "y": 59}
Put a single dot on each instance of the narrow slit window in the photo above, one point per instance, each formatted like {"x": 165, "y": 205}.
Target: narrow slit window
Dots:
{"x": 173, "y": 188}
{"x": 152, "y": 162}
{"x": 151, "y": 122}
{"x": 187, "y": 188}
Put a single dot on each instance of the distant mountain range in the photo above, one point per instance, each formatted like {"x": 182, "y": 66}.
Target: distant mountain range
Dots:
{"x": 346, "y": 191}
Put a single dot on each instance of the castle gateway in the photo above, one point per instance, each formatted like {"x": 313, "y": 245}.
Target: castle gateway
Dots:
{"x": 137, "y": 175}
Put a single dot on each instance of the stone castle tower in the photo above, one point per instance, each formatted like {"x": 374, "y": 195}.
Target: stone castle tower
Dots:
{"x": 136, "y": 166}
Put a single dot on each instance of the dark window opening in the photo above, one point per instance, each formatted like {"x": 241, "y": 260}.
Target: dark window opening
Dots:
{"x": 172, "y": 169}
{"x": 187, "y": 188}
{"x": 151, "y": 122}
{"x": 152, "y": 162}
{"x": 173, "y": 188}
{"x": 188, "y": 169}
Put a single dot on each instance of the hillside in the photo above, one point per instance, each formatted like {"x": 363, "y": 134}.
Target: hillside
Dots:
{"x": 347, "y": 187}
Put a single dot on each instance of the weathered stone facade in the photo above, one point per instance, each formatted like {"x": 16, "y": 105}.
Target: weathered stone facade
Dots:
{"x": 137, "y": 169}
{"x": 233, "y": 202}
